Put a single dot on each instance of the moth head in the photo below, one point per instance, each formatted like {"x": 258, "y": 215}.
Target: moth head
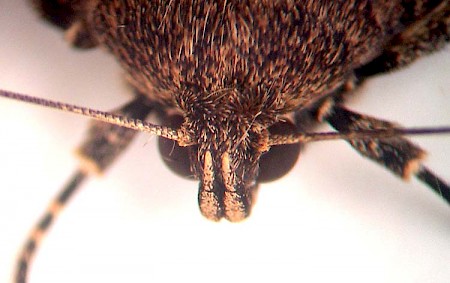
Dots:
{"x": 228, "y": 150}
{"x": 224, "y": 157}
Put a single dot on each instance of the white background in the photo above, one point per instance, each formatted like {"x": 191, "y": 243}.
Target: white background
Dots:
{"x": 335, "y": 217}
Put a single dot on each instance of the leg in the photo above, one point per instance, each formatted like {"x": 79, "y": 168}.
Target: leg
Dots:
{"x": 105, "y": 141}
{"x": 425, "y": 33}
{"x": 104, "y": 144}
{"x": 36, "y": 234}
{"x": 400, "y": 156}
{"x": 428, "y": 29}
{"x": 69, "y": 15}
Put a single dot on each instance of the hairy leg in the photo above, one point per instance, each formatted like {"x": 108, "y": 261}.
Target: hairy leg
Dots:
{"x": 103, "y": 145}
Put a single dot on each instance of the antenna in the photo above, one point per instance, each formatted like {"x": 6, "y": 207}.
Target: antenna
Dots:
{"x": 123, "y": 121}
{"x": 183, "y": 139}
{"x": 352, "y": 135}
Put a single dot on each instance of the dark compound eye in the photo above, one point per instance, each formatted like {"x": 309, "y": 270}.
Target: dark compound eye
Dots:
{"x": 273, "y": 165}
{"x": 174, "y": 156}
{"x": 280, "y": 159}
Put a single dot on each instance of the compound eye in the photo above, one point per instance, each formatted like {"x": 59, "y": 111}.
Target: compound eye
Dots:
{"x": 173, "y": 155}
{"x": 280, "y": 159}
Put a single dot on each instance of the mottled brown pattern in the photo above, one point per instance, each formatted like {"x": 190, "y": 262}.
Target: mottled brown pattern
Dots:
{"x": 171, "y": 49}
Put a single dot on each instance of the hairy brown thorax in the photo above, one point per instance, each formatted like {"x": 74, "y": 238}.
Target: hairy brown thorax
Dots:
{"x": 168, "y": 47}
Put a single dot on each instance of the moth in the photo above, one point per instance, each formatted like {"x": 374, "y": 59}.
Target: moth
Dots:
{"x": 222, "y": 164}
